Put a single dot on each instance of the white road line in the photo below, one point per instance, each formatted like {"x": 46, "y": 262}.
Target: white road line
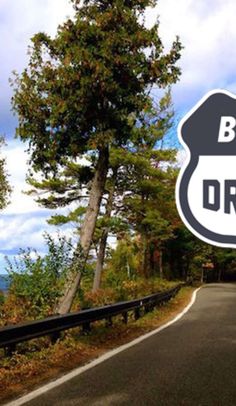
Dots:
{"x": 109, "y": 354}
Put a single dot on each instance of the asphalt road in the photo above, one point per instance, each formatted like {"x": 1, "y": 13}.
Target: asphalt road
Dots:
{"x": 192, "y": 362}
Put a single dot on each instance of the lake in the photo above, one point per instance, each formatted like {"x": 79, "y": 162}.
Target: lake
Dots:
{"x": 4, "y": 283}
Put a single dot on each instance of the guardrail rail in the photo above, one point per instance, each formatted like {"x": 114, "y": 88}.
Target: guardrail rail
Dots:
{"x": 12, "y": 335}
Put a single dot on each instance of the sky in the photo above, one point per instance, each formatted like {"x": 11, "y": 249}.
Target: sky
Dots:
{"x": 207, "y": 31}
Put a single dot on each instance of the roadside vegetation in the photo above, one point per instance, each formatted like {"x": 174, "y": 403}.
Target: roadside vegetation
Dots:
{"x": 36, "y": 282}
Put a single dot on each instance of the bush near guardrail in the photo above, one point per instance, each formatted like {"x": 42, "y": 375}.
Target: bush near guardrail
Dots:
{"x": 10, "y": 336}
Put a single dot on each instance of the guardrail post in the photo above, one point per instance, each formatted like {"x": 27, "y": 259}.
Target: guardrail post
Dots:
{"x": 109, "y": 322}
{"x": 168, "y": 297}
{"x": 125, "y": 317}
{"x": 55, "y": 336}
{"x": 152, "y": 306}
{"x": 8, "y": 351}
{"x": 86, "y": 328}
{"x": 137, "y": 313}
{"x": 147, "y": 308}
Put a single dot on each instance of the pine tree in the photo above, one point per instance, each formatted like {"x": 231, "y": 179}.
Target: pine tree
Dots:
{"x": 79, "y": 90}
{"x": 155, "y": 124}
{"x": 148, "y": 182}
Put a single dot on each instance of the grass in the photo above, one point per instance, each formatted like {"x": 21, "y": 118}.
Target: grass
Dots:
{"x": 39, "y": 361}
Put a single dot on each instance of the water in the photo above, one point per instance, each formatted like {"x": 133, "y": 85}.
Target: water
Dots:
{"x": 3, "y": 283}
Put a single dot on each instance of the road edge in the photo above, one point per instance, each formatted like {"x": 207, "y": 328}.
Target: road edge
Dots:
{"x": 78, "y": 371}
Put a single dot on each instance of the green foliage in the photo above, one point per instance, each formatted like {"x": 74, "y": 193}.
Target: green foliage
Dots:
{"x": 74, "y": 216}
{"x": 64, "y": 187}
{"x": 81, "y": 87}
{"x": 37, "y": 280}
{"x": 123, "y": 263}
{"x": 186, "y": 256}
{"x": 146, "y": 181}
{"x": 5, "y": 188}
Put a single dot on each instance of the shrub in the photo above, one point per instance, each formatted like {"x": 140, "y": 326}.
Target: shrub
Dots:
{"x": 36, "y": 281}
{"x": 101, "y": 297}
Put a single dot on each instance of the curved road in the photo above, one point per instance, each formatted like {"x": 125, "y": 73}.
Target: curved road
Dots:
{"x": 192, "y": 362}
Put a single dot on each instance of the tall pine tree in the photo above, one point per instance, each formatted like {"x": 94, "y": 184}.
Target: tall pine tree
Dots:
{"x": 79, "y": 90}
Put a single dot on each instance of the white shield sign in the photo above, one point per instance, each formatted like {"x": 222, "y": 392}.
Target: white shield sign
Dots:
{"x": 206, "y": 186}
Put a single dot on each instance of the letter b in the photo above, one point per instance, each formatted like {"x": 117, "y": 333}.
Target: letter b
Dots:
{"x": 226, "y": 132}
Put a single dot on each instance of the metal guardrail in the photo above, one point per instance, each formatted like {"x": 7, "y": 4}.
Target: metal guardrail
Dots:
{"x": 15, "y": 334}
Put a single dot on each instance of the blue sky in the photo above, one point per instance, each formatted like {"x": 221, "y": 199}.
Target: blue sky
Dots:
{"x": 207, "y": 31}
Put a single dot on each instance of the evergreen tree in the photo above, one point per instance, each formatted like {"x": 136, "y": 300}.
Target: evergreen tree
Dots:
{"x": 148, "y": 181}
{"x": 79, "y": 90}
{"x": 144, "y": 138}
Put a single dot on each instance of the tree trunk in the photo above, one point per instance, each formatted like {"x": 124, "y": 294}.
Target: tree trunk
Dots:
{"x": 86, "y": 234}
{"x": 160, "y": 264}
{"x": 100, "y": 261}
{"x": 219, "y": 274}
{"x": 146, "y": 259}
{"x": 103, "y": 241}
{"x": 202, "y": 275}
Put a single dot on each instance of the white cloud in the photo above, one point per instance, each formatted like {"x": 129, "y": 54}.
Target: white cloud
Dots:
{"x": 207, "y": 31}
{"x": 19, "y": 21}
{"x": 20, "y": 232}
{"x": 35, "y": 16}
{"x": 25, "y": 231}
{"x": 181, "y": 157}
{"x": 23, "y": 222}
{"x": 16, "y": 166}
